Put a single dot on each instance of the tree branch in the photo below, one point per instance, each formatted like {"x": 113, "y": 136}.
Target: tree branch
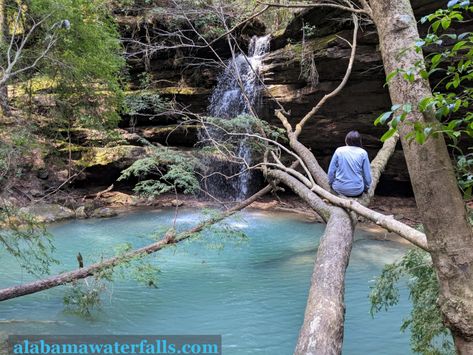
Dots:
{"x": 387, "y": 222}
{"x": 68, "y": 277}
{"x": 318, "y": 4}
{"x": 335, "y": 92}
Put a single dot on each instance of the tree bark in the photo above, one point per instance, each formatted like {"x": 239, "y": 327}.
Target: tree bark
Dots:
{"x": 440, "y": 204}
{"x": 4, "y": 106}
{"x": 387, "y": 222}
{"x": 322, "y": 330}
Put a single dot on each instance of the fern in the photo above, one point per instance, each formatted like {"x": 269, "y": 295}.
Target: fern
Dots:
{"x": 166, "y": 170}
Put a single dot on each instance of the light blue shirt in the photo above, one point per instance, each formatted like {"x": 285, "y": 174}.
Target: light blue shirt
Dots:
{"x": 349, "y": 172}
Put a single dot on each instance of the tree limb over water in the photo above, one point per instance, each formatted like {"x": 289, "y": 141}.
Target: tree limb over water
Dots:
{"x": 168, "y": 239}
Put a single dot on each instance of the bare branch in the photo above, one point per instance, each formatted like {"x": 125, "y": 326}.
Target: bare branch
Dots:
{"x": 316, "y": 4}
{"x": 339, "y": 88}
{"x": 234, "y": 28}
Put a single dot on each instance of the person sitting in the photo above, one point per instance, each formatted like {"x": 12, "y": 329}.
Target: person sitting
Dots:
{"x": 349, "y": 173}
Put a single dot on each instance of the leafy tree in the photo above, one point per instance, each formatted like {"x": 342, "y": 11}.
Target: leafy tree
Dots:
{"x": 86, "y": 63}
{"x": 428, "y": 333}
{"x": 449, "y": 63}
{"x": 73, "y": 47}
{"x": 422, "y": 119}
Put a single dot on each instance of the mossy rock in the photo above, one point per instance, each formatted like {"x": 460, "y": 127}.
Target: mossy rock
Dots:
{"x": 311, "y": 45}
{"x": 176, "y": 90}
{"x": 49, "y": 212}
{"x": 103, "y": 212}
{"x": 122, "y": 155}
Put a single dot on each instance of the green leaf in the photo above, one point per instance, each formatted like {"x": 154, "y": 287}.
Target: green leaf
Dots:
{"x": 388, "y": 134}
{"x": 383, "y": 118}
{"x": 427, "y": 131}
{"x": 436, "y": 59}
{"x": 420, "y": 137}
{"x": 459, "y": 45}
{"x": 391, "y": 75}
{"x": 451, "y": 3}
{"x": 424, "y": 103}
{"x": 446, "y": 21}
{"x": 424, "y": 74}
{"x": 407, "y": 108}
{"x": 409, "y": 76}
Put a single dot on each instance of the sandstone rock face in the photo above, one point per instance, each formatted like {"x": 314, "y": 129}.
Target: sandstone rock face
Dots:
{"x": 355, "y": 108}
{"x": 286, "y": 71}
{"x": 103, "y": 166}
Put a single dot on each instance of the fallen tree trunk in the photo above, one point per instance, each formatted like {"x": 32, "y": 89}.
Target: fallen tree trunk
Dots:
{"x": 387, "y": 222}
{"x": 322, "y": 330}
{"x": 82, "y": 273}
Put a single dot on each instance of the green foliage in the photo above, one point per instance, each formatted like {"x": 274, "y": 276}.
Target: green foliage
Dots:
{"x": 26, "y": 239}
{"x": 146, "y": 104}
{"x": 215, "y": 236}
{"x": 428, "y": 334}
{"x": 84, "y": 296}
{"x": 166, "y": 170}
{"x": 137, "y": 268}
{"x": 20, "y": 143}
{"x": 145, "y": 273}
{"x": 85, "y": 63}
{"x": 235, "y": 129}
{"x": 397, "y": 114}
{"x": 464, "y": 172}
{"x": 451, "y": 64}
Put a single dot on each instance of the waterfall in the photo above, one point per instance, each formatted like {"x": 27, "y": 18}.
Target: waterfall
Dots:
{"x": 237, "y": 93}
{"x": 228, "y": 100}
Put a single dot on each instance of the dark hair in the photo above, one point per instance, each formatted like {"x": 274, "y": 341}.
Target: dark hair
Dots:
{"x": 353, "y": 138}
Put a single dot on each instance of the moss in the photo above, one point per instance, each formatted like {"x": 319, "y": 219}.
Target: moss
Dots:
{"x": 106, "y": 156}
{"x": 65, "y": 147}
{"x": 313, "y": 45}
{"x": 278, "y": 33}
{"x": 176, "y": 90}
{"x": 38, "y": 83}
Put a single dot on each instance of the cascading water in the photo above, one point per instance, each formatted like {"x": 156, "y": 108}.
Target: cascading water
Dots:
{"x": 238, "y": 93}
{"x": 228, "y": 100}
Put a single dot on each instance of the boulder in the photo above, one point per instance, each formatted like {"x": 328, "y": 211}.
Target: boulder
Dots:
{"x": 119, "y": 199}
{"x": 120, "y": 156}
{"x": 103, "y": 212}
{"x": 48, "y": 213}
{"x": 80, "y": 213}
{"x": 177, "y": 203}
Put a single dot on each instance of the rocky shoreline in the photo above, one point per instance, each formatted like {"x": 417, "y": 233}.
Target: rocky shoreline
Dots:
{"x": 108, "y": 204}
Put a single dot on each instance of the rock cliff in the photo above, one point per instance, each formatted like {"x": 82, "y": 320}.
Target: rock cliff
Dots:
{"x": 303, "y": 65}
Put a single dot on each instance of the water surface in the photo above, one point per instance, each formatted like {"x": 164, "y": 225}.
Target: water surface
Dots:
{"x": 252, "y": 292}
